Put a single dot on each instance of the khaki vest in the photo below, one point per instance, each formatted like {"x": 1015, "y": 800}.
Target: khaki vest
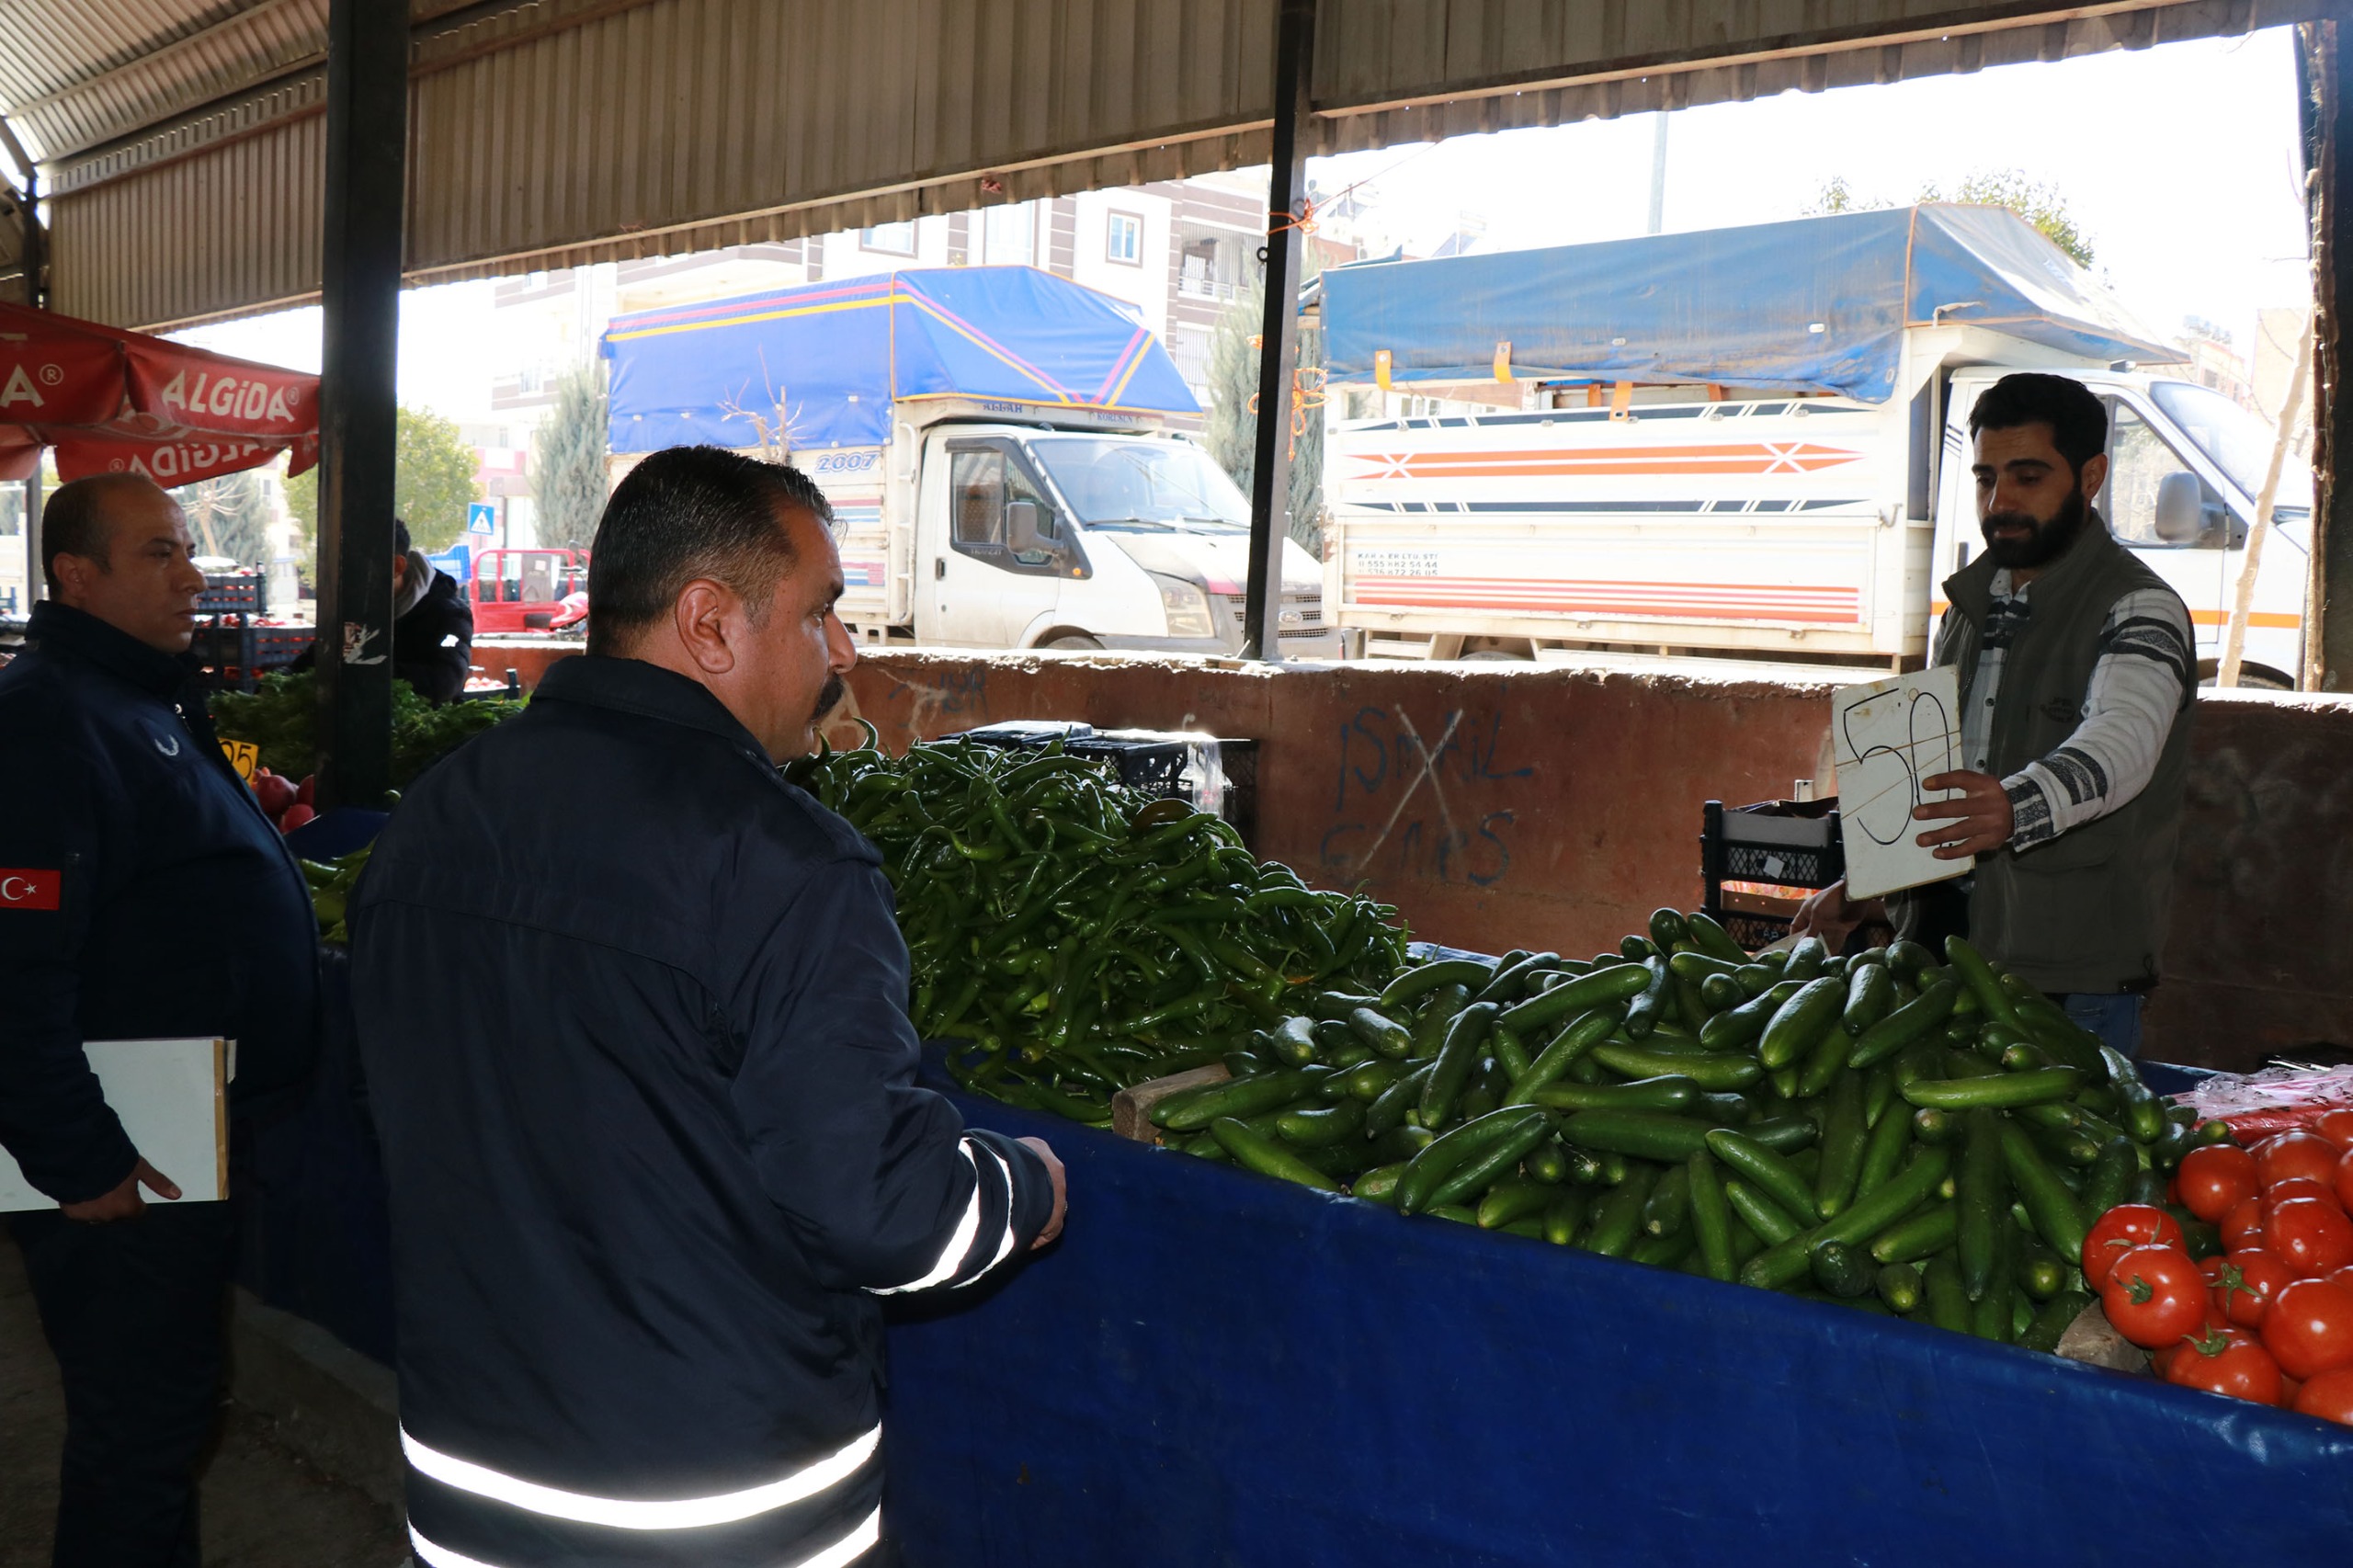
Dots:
{"x": 2085, "y": 910}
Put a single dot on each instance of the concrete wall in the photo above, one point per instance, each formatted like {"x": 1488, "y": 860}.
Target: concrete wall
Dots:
{"x": 1501, "y": 806}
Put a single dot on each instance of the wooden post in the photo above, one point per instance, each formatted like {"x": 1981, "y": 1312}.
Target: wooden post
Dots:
{"x": 2328, "y": 628}
{"x": 1278, "y": 331}
{"x": 2290, "y": 406}
{"x": 367, "y": 149}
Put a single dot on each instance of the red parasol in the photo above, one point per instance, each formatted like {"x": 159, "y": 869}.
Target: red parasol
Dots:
{"x": 111, "y": 401}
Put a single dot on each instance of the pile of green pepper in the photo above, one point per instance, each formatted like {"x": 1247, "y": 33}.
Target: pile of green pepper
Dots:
{"x": 1073, "y": 937}
{"x": 1929, "y": 1139}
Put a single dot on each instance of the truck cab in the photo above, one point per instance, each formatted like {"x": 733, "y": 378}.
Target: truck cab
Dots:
{"x": 524, "y": 590}
{"x": 2185, "y": 466}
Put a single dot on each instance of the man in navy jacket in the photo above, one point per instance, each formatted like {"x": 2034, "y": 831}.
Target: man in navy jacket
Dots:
{"x": 142, "y": 895}
{"x": 633, "y": 1012}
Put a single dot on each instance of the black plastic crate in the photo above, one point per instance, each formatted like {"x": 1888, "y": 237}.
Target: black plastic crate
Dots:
{"x": 1153, "y": 762}
{"x": 1789, "y": 843}
{"x": 242, "y": 593}
{"x": 235, "y": 652}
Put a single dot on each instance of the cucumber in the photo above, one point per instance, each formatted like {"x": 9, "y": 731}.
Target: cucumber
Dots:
{"x": 1773, "y": 1175}
{"x": 1994, "y": 1316}
{"x": 1930, "y": 1125}
{"x": 1703, "y": 933}
{"x": 1510, "y": 980}
{"x": 1509, "y": 1200}
{"x": 2051, "y": 1321}
{"x": 1565, "y": 1213}
{"x": 1465, "y": 1037}
{"x": 1457, "y": 1212}
{"x": 1457, "y": 1148}
{"x": 1423, "y": 978}
{"x": 1668, "y": 1208}
{"x": 1898, "y": 1285}
{"x": 1725, "y": 1109}
{"x": 1767, "y": 1220}
{"x": 1291, "y": 1042}
{"x": 1729, "y": 1030}
{"x": 1618, "y": 1218}
{"x": 1807, "y": 955}
{"x": 2040, "y": 1272}
{"x": 2057, "y": 1217}
{"x": 1710, "y": 1216}
{"x": 2043, "y": 1085}
{"x": 1667, "y": 928}
{"x": 1661, "y": 1252}
{"x": 1797, "y": 1025}
{"x": 1908, "y": 957}
{"x": 2111, "y": 1176}
{"x": 1755, "y": 979}
{"x": 1784, "y": 1263}
{"x": 1718, "y": 993}
{"x": 1378, "y": 1184}
{"x": 1883, "y": 1150}
{"x": 1603, "y": 987}
{"x": 1399, "y": 1145}
{"x": 1825, "y": 1062}
{"x": 1983, "y": 1202}
{"x": 1647, "y": 1135}
{"x": 1905, "y": 1025}
{"x": 1879, "y": 1093}
{"x": 1871, "y": 996}
{"x": 2142, "y": 1112}
{"x": 1380, "y": 1031}
{"x": 1670, "y": 1092}
{"x": 1322, "y": 1126}
{"x": 1712, "y": 1073}
{"x": 1841, "y": 1270}
{"x": 1556, "y": 1058}
{"x": 1192, "y": 1110}
{"x": 1263, "y": 1155}
{"x": 1334, "y": 1007}
{"x": 1924, "y": 1235}
{"x": 1982, "y": 983}
{"x": 1390, "y": 1108}
{"x": 1486, "y": 1167}
{"x": 1642, "y": 1014}
{"x": 1782, "y": 1134}
{"x": 1370, "y": 1080}
{"x": 1511, "y": 1056}
{"x": 1437, "y": 1016}
{"x": 1843, "y": 1133}
{"x": 1941, "y": 1293}
{"x": 1547, "y": 1163}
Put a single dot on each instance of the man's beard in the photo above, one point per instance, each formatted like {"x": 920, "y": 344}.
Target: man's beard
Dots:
{"x": 828, "y": 698}
{"x": 2045, "y": 541}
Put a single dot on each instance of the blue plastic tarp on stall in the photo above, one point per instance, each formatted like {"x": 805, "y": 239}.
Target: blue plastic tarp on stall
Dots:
{"x": 1213, "y": 1368}
{"x": 821, "y": 364}
{"x": 1815, "y": 304}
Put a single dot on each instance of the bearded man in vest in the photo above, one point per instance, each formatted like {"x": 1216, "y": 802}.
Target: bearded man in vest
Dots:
{"x": 2077, "y": 667}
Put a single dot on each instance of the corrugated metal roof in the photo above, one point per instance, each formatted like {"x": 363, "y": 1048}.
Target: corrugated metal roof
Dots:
{"x": 557, "y": 132}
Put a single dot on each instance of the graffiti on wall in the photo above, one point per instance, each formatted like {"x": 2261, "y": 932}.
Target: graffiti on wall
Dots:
{"x": 1422, "y": 804}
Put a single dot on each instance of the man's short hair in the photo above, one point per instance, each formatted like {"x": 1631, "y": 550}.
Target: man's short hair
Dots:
{"x": 691, "y": 512}
{"x": 401, "y": 543}
{"x": 2078, "y": 420}
{"x": 73, "y": 521}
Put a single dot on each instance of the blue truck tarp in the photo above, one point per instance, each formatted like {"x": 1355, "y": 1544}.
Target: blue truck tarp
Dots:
{"x": 838, "y": 355}
{"x": 1813, "y": 305}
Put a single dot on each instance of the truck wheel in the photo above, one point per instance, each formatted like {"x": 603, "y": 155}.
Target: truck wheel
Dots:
{"x": 1075, "y": 640}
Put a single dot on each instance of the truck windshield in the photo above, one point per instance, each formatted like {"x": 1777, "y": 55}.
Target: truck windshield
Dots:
{"x": 1162, "y": 486}
{"x": 2239, "y": 442}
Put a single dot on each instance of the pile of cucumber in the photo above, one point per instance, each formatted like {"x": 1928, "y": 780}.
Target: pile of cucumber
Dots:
{"x": 1908, "y": 1136}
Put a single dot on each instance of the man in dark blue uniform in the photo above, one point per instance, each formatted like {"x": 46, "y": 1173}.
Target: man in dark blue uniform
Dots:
{"x": 142, "y": 895}
{"x": 651, "y": 1131}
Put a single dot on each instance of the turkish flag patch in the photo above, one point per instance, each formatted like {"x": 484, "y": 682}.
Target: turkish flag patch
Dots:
{"x": 22, "y": 889}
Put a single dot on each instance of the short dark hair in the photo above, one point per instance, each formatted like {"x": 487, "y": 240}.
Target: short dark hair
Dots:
{"x": 690, "y": 512}
{"x": 401, "y": 545}
{"x": 2078, "y": 420}
{"x": 73, "y": 521}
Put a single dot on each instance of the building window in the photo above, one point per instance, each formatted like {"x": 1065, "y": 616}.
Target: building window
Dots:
{"x": 1123, "y": 241}
{"x": 890, "y": 239}
{"x": 1009, "y": 235}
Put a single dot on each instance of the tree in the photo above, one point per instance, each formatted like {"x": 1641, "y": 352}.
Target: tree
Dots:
{"x": 568, "y": 460}
{"x": 1231, "y": 432}
{"x": 2039, "y": 204}
{"x": 230, "y": 516}
{"x": 433, "y": 479}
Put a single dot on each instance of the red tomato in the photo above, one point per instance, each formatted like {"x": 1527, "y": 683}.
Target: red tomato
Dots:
{"x": 2299, "y": 1187}
{"x": 2226, "y": 1360}
{"x": 2245, "y": 1284}
{"x": 2286, "y": 1154}
{"x": 2343, "y": 1277}
{"x": 2214, "y": 1178}
{"x": 2154, "y": 1295}
{"x": 2309, "y": 1328}
{"x": 2336, "y": 1126}
{"x": 2122, "y": 1228}
{"x": 2344, "y": 1179}
{"x": 2328, "y": 1396}
{"x": 2309, "y": 1236}
{"x": 2243, "y": 1226}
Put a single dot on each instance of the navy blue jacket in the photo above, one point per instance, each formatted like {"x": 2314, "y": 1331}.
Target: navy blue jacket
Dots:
{"x": 633, "y": 1013}
{"x": 143, "y": 894}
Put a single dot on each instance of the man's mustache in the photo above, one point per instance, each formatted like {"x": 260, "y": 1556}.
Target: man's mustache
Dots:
{"x": 828, "y": 699}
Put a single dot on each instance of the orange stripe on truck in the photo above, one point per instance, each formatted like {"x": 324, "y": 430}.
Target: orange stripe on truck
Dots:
{"x": 1686, "y": 601}
{"x": 1745, "y": 457}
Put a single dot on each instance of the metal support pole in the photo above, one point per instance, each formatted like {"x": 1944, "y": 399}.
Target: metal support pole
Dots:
{"x": 2328, "y": 629}
{"x": 366, "y": 146}
{"x": 1278, "y": 331}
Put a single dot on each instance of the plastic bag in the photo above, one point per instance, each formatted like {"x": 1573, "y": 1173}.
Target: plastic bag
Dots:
{"x": 2259, "y": 1104}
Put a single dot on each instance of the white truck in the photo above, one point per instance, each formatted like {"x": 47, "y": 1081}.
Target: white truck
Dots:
{"x": 1754, "y": 442}
{"x": 995, "y": 444}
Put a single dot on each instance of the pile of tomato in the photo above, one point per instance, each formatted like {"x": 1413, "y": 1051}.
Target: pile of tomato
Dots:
{"x": 2269, "y": 1318}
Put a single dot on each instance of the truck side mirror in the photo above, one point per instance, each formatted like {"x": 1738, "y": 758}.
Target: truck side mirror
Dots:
{"x": 1027, "y": 532}
{"x": 2181, "y": 508}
